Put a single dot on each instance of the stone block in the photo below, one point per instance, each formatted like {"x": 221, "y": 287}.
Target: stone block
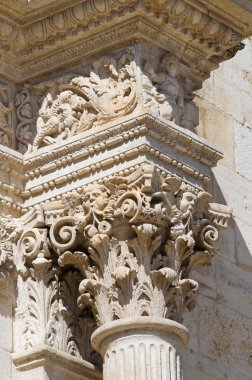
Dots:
{"x": 243, "y": 236}
{"x": 236, "y": 75}
{"x": 229, "y": 100}
{"x": 225, "y": 338}
{"x": 6, "y": 323}
{"x": 226, "y": 244}
{"x": 5, "y": 363}
{"x": 217, "y": 127}
{"x": 233, "y": 286}
{"x": 243, "y": 152}
{"x": 205, "y": 275}
{"x": 207, "y": 91}
{"x": 46, "y": 363}
{"x": 234, "y": 190}
{"x": 198, "y": 367}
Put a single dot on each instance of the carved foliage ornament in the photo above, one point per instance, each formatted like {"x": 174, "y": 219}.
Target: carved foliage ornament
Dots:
{"x": 116, "y": 86}
{"x": 7, "y": 237}
{"x": 47, "y": 311}
{"x": 109, "y": 92}
{"x": 5, "y": 116}
{"x": 25, "y": 129}
{"x": 133, "y": 242}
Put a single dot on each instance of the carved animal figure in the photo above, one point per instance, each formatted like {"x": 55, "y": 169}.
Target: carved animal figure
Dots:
{"x": 87, "y": 101}
{"x": 58, "y": 118}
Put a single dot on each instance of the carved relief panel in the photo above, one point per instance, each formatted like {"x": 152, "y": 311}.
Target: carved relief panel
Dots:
{"x": 25, "y": 107}
{"x": 6, "y": 107}
{"x": 111, "y": 87}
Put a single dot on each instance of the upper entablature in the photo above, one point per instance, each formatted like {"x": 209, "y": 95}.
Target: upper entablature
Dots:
{"x": 37, "y": 36}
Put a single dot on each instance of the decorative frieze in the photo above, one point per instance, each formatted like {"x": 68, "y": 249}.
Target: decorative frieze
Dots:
{"x": 110, "y": 88}
{"x": 114, "y": 146}
{"x": 191, "y": 30}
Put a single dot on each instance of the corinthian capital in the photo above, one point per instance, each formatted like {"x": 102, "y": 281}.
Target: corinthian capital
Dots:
{"x": 135, "y": 240}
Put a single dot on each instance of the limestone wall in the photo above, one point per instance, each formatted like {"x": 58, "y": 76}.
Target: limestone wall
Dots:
{"x": 221, "y": 341}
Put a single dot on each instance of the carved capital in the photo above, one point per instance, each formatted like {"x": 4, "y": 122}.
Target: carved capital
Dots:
{"x": 134, "y": 241}
{"x": 47, "y": 311}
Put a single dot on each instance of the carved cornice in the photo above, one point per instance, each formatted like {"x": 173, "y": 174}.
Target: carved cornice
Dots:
{"x": 184, "y": 153}
{"x": 112, "y": 37}
{"x": 52, "y": 359}
{"x": 73, "y": 125}
{"x": 181, "y": 26}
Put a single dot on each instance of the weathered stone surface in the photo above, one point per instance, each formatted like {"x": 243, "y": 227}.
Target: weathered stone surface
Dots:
{"x": 222, "y": 338}
{"x": 243, "y": 137}
{"x": 220, "y": 345}
{"x": 198, "y": 367}
{"x": 46, "y": 363}
{"x": 115, "y": 194}
{"x": 115, "y": 254}
{"x": 6, "y": 338}
{"x": 6, "y": 372}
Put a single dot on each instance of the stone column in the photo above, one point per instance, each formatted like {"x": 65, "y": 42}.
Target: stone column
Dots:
{"x": 141, "y": 348}
{"x": 133, "y": 241}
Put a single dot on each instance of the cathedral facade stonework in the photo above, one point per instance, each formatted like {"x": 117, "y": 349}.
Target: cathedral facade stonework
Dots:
{"x": 125, "y": 197}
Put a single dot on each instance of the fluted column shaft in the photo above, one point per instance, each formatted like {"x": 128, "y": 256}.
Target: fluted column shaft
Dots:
{"x": 142, "y": 348}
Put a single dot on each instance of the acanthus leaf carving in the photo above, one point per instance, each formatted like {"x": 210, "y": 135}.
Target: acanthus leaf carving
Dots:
{"x": 47, "y": 311}
{"x": 134, "y": 240}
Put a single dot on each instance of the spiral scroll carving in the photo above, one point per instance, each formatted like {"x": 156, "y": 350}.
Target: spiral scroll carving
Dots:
{"x": 63, "y": 234}
{"x": 134, "y": 241}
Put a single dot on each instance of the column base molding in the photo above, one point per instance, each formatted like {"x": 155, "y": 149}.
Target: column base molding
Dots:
{"x": 44, "y": 362}
{"x": 143, "y": 348}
